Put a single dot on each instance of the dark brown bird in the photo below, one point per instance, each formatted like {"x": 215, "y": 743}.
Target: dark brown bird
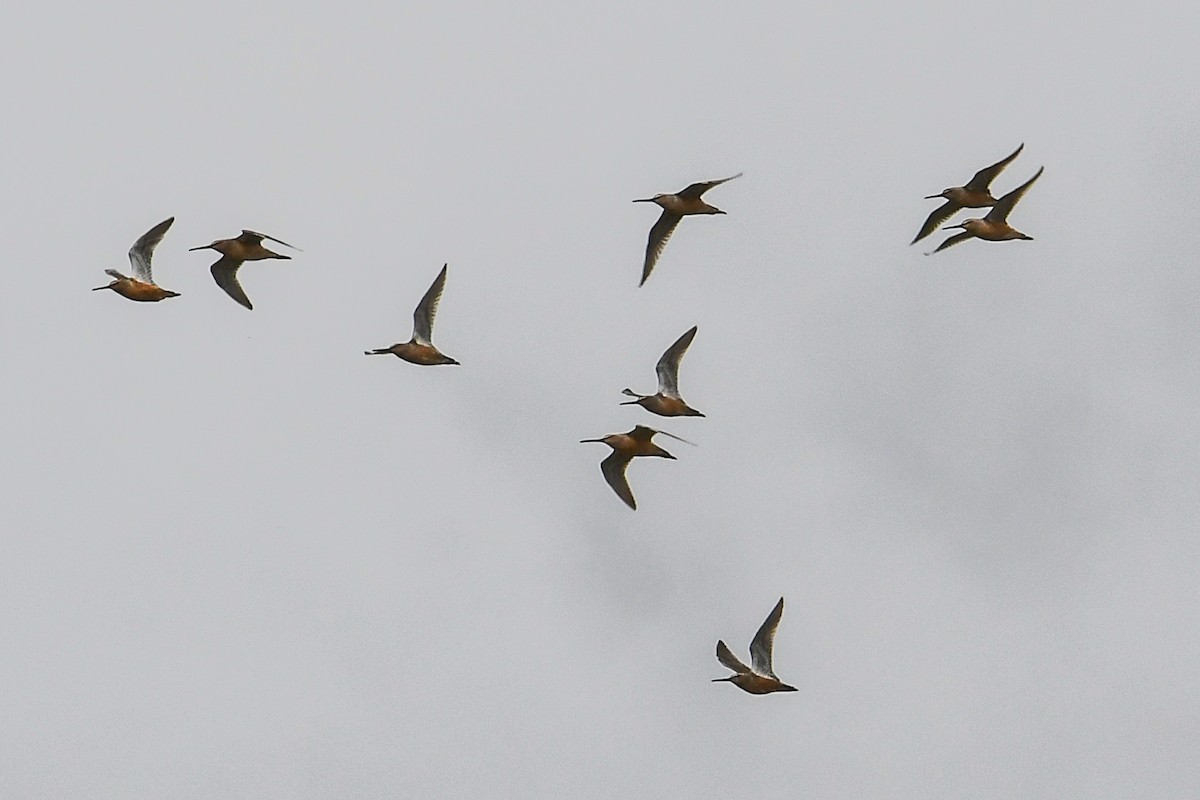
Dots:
{"x": 626, "y": 447}
{"x": 246, "y": 247}
{"x": 141, "y": 287}
{"x": 675, "y": 207}
{"x": 975, "y": 194}
{"x": 761, "y": 679}
{"x": 419, "y": 349}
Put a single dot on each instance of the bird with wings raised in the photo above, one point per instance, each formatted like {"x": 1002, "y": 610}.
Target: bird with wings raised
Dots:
{"x": 141, "y": 286}
{"x": 419, "y": 349}
{"x": 761, "y": 679}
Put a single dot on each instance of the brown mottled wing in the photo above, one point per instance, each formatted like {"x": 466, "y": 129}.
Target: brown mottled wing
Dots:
{"x": 613, "y": 469}
{"x": 427, "y": 309}
{"x": 668, "y": 366}
{"x": 253, "y": 237}
{"x": 694, "y": 191}
{"x": 730, "y": 660}
{"x": 659, "y": 235}
{"x": 953, "y": 240}
{"x": 939, "y": 215}
{"x": 764, "y": 640}
{"x": 224, "y": 272}
{"x": 143, "y": 250}
{"x": 985, "y": 176}
{"x": 1004, "y": 205}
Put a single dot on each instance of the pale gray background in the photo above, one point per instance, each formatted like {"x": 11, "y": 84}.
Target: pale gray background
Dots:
{"x": 242, "y": 560}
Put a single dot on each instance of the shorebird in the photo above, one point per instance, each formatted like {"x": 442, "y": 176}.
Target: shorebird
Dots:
{"x": 667, "y": 403}
{"x": 675, "y": 207}
{"x": 627, "y": 446}
{"x": 141, "y": 287}
{"x": 761, "y": 679}
{"x": 994, "y": 227}
{"x": 975, "y": 194}
{"x": 246, "y": 247}
{"x": 420, "y": 349}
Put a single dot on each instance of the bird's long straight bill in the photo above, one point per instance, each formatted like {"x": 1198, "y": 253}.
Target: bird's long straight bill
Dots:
{"x": 644, "y": 200}
{"x": 601, "y": 441}
{"x": 201, "y": 247}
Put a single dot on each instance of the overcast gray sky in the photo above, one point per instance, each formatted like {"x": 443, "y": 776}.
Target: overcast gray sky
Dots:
{"x": 242, "y": 560}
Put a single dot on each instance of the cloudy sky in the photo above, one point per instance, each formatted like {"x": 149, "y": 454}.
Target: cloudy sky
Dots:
{"x": 242, "y": 560}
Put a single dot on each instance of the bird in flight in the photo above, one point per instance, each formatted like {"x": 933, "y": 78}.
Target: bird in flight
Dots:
{"x": 974, "y": 194}
{"x": 420, "y": 349}
{"x": 994, "y": 227}
{"x": 141, "y": 287}
{"x": 675, "y": 207}
{"x": 246, "y": 247}
{"x": 626, "y": 447}
{"x": 761, "y": 679}
{"x": 667, "y": 403}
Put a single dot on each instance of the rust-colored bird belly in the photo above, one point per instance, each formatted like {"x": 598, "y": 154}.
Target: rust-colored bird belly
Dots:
{"x": 757, "y": 684}
{"x": 665, "y": 406}
{"x": 141, "y": 292}
{"x": 419, "y": 354}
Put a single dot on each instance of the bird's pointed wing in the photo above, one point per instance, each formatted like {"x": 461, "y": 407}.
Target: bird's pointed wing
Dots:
{"x": 673, "y": 436}
{"x": 934, "y": 220}
{"x": 427, "y": 309}
{"x": 1004, "y": 205}
{"x": 143, "y": 250}
{"x": 668, "y": 366}
{"x": 112, "y": 273}
{"x": 254, "y": 237}
{"x": 613, "y": 469}
{"x": 224, "y": 272}
{"x": 730, "y": 660}
{"x": 985, "y": 176}
{"x": 641, "y": 433}
{"x": 953, "y": 240}
{"x": 694, "y": 191}
{"x": 764, "y": 640}
{"x": 659, "y": 235}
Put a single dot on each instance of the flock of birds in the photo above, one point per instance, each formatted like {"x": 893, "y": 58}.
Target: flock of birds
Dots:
{"x": 759, "y": 678}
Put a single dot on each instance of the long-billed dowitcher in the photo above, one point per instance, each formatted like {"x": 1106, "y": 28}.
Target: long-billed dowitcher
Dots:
{"x": 667, "y": 403}
{"x": 246, "y": 247}
{"x": 675, "y": 207}
{"x": 974, "y": 194}
{"x": 994, "y": 227}
{"x": 141, "y": 287}
{"x": 420, "y": 349}
{"x": 626, "y": 447}
{"x": 761, "y": 679}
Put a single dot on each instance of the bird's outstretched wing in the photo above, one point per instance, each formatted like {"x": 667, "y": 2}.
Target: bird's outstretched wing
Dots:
{"x": 254, "y": 237}
{"x": 764, "y": 641}
{"x": 730, "y": 660}
{"x": 694, "y": 191}
{"x": 942, "y": 213}
{"x": 427, "y": 309}
{"x": 143, "y": 250}
{"x": 659, "y": 235}
{"x": 983, "y": 179}
{"x": 668, "y": 366}
{"x": 224, "y": 272}
{"x": 953, "y": 240}
{"x": 1004, "y": 205}
{"x": 613, "y": 469}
